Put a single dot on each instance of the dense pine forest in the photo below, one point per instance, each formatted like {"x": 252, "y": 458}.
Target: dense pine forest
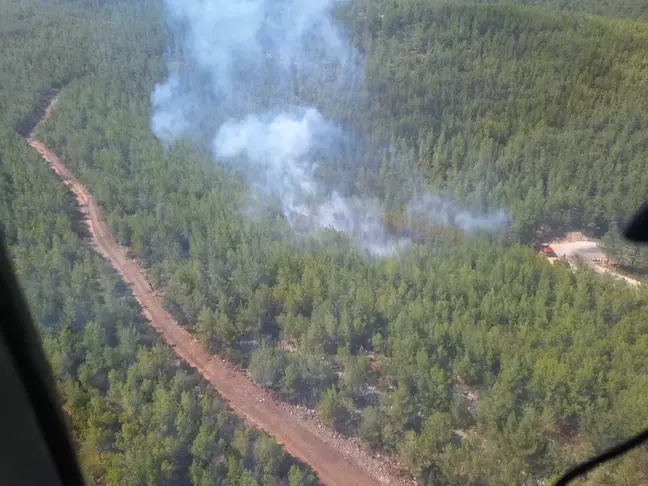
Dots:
{"x": 472, "y": 359}
{"x": 626, "y": 8}
{"x": 137, "y": 416}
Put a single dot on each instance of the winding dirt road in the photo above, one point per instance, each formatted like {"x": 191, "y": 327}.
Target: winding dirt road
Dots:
{"x": 302, "y": 437}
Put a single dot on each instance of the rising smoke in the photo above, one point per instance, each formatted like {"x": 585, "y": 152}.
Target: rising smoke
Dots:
{"x": 232, "y": 70}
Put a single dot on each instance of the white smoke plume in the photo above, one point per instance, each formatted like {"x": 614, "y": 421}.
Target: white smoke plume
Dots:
{"x": 232, "y": 68}
{"x": 278, "y": 150}
{"x": 436, "y": 210}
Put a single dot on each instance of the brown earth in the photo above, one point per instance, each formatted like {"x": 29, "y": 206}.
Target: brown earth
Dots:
{"x": 336, "y": 459}
{"x": 577, "y": 247}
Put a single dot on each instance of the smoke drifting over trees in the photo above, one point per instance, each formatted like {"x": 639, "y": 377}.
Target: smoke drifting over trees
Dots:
{"x": 231, "y": 52}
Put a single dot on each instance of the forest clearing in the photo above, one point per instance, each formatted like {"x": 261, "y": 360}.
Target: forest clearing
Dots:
{"x": 576, "y": 248}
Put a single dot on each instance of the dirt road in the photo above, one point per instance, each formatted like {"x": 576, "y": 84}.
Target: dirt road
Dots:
{"x": 586, "y": 251}
{"x": 337, "y": 461}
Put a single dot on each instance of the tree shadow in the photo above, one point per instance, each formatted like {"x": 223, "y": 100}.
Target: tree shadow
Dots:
{"x": 27, "y": 124}
{"x": 78, "y": 218}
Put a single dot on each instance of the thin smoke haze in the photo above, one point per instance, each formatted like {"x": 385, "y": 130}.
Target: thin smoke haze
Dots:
{"x": 232, "y": 68}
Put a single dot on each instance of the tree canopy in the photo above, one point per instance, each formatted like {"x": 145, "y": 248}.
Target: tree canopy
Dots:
{"x": 137, "y": 416}
{"x": 454, "y": 354}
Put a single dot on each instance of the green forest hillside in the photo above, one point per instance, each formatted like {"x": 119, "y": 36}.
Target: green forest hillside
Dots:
{"x": 530, "y": 109}
{"x": 634, "y": 9}
{"x": 627, "y": 8}
{"x": 137, "y": 416}
{"x": 473, "y": 360}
